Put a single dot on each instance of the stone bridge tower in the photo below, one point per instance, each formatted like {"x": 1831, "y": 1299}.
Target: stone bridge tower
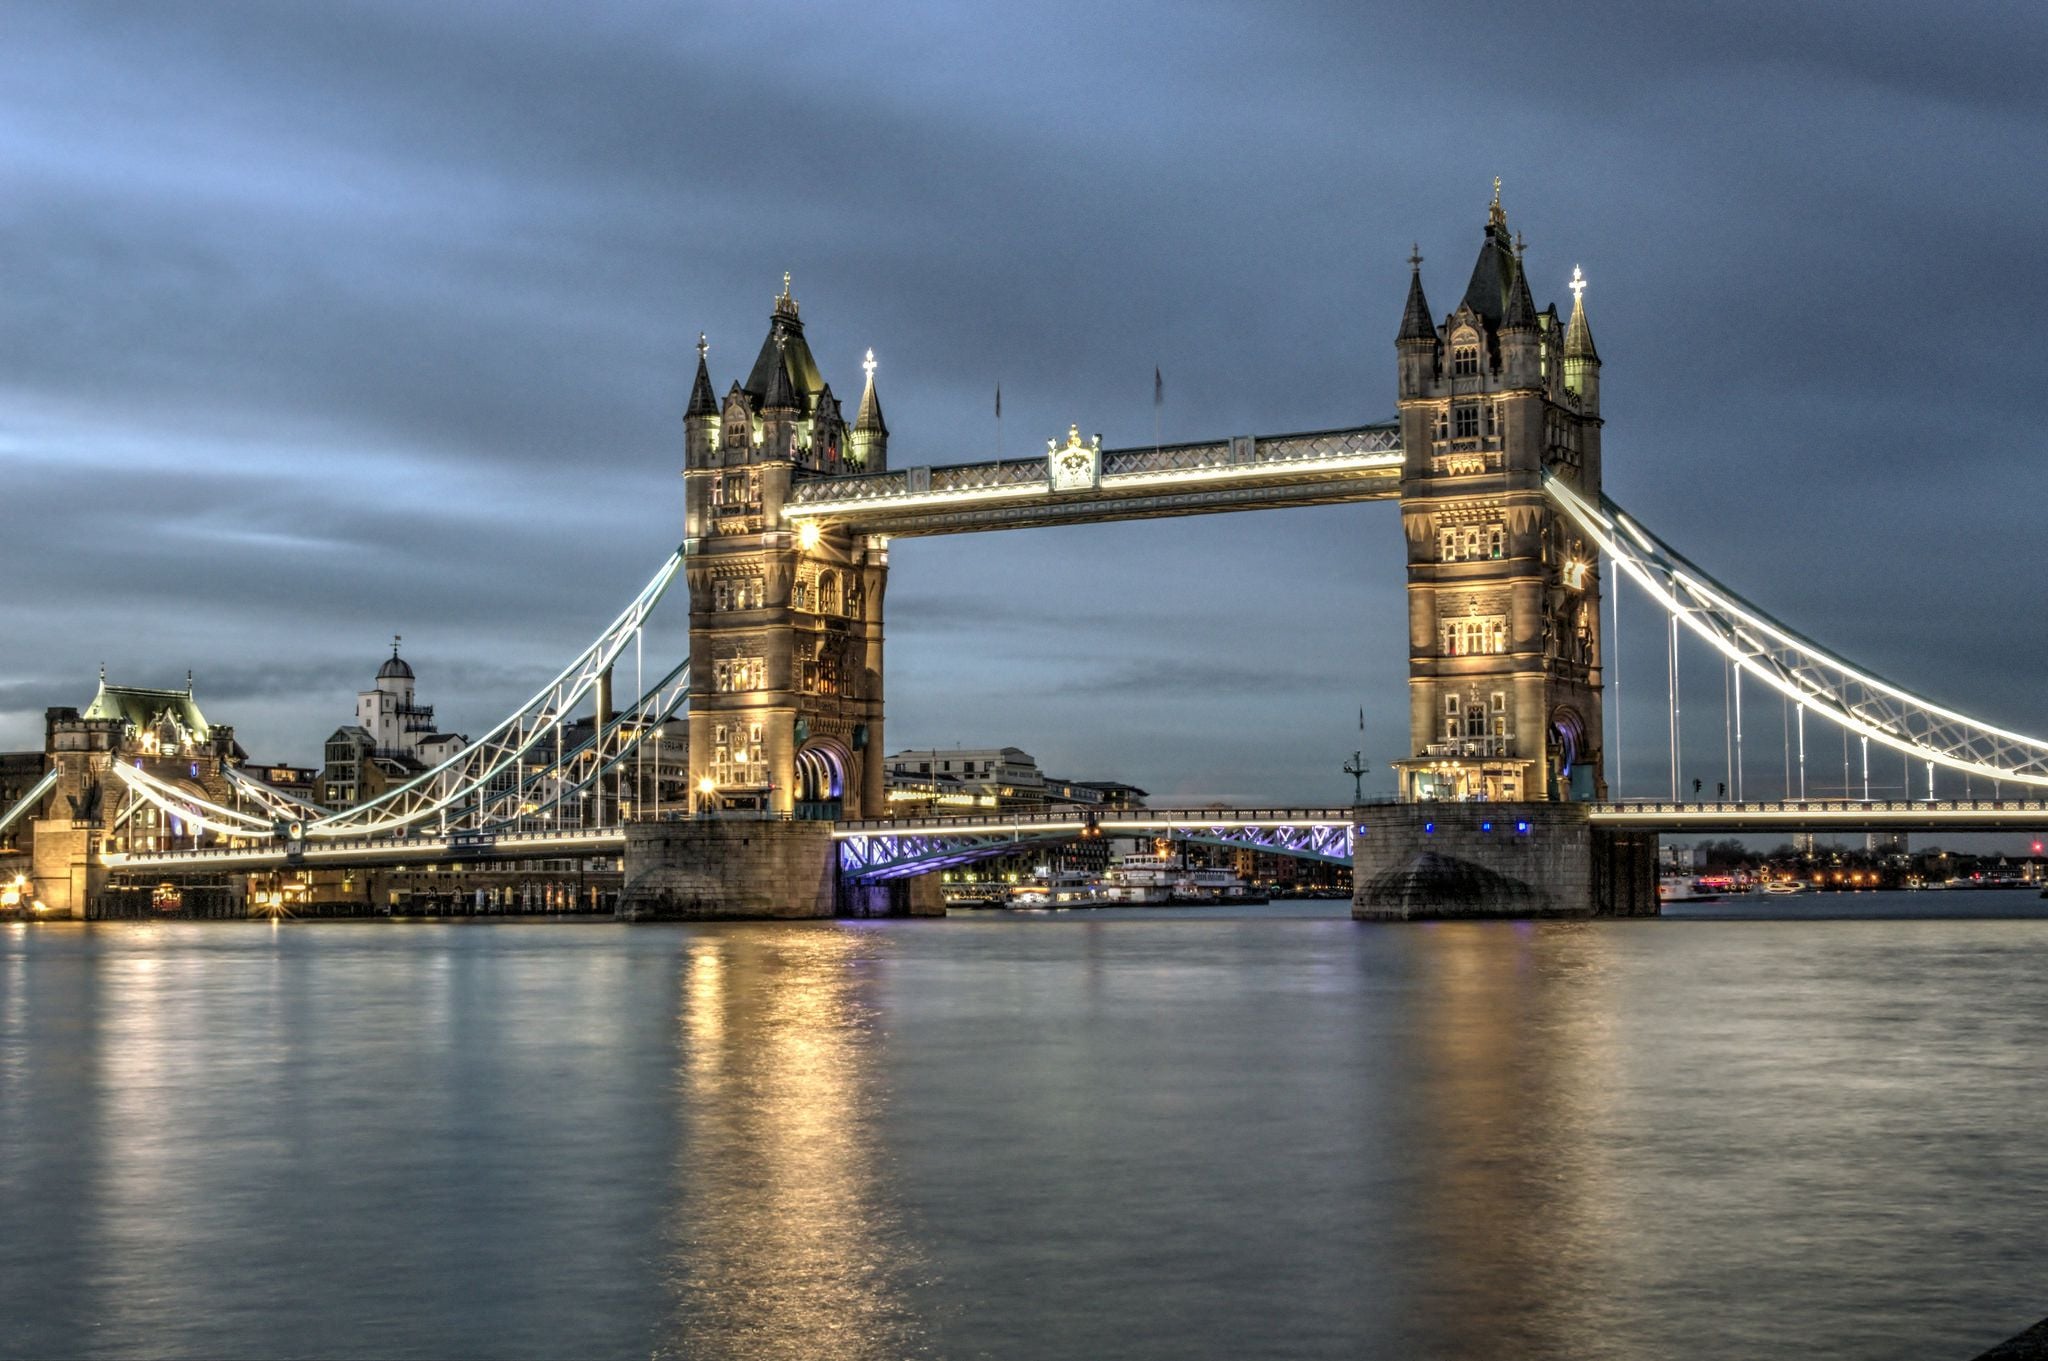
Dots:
{"x": 785, "y": 626}
{"x": 1503, "y": 598}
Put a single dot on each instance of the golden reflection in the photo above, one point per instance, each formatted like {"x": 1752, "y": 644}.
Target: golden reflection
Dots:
{"x": 1519, "y": 1070}
{"x": 786, "y": 1243}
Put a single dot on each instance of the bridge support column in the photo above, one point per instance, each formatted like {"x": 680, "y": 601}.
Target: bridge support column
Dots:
{"x": 65, "y": 875}
{"x": 726, "y": 868}
{"x": 920, "y": 896}
{"x": 1434, "y": 861}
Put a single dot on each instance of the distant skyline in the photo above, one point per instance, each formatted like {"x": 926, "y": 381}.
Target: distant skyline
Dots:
{"x": 329, "y": 323}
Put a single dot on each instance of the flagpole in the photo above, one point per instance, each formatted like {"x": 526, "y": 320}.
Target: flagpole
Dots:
{"x": 999, "y": 422}
{"x": 1158, "y": 400}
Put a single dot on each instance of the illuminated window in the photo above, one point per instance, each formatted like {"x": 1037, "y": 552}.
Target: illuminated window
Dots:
{"x": 1465, "y": 361}
{"x": 1440, "y": 427}
{"x": 1473, "y": 637}
{"x": 828, "y": 593}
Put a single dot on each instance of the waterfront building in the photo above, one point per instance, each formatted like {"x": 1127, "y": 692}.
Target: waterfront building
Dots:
{"x": 980, "y": 779}
{"x": 392, "y": 740}
{"x": 1503, "y": 595}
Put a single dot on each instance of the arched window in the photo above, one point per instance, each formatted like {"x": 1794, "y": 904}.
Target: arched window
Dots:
{"x": 828, "y": 593}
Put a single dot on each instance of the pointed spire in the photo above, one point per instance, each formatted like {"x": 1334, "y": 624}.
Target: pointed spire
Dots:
{"x": 777, "y": 394}
{"x": 702, "y": 403}
{"x": 869, "y": 419}
{"x": 1578, "y": 335}
{"x": 1493, "y": 271}
{"x": 1520, "y": 312}
{"x": 1416, "y": 323}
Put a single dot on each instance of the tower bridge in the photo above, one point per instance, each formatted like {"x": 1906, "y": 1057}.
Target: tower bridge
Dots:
{"x": 789, "y": 512}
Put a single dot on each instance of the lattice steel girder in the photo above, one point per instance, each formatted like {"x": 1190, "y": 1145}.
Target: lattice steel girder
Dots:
{"x": 463, "y": 775}
{"x": 588, "y": 762}
{"x": 370, "y": 852}
{"x": 1797, "y": 667}
{"x": 900, "y": 850}
{"x": 1898, "y": 815}
{"x": 880, "y": 856}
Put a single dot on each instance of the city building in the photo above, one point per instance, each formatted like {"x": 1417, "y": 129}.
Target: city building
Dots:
{"x": 392, "y": 740}
{"x": 962, "y": 780}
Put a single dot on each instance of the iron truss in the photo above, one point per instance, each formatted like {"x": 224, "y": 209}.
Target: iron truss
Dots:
{"x": 876, "y": 850}
{"x": 1246, "y": 472}
{"x": 1798, "y": 668}
{"x": 462, "y": 778}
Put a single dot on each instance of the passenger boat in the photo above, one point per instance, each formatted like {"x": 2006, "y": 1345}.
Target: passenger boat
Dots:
{"x": 1784, "y": 887}
{"x": 1676, "y": 888}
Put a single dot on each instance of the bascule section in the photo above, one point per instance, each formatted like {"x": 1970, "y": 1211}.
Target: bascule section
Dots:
{"x": 785, "y": 617}
{"x": 1503, "y": 590}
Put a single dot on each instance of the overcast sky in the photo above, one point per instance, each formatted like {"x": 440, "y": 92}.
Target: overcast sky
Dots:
{"x": 320, "y": 322}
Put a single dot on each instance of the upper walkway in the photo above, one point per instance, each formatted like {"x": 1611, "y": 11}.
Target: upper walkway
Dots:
{"x": 1083, "y": 484}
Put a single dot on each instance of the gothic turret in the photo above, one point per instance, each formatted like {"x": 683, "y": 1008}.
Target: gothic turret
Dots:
{"x": 1581, "y": 360}
{"x": 1417, "y": 343}
{"x": 870, "y": 440}
{"x": 1520, "y": 361}
{"x": 700, "y": 419}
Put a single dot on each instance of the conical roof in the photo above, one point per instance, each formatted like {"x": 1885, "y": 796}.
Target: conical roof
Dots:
{"x": 1492, "y": 273}
{"x": 869, "y": 419}
{"x": 702, "y": 403}
{"x": 1519, "y": 313}
{"x": 778, "y": 393}
{"x": 785, "y": 341}
{"x": 1416, "y": 321}
{"x": 1578, "y": 333}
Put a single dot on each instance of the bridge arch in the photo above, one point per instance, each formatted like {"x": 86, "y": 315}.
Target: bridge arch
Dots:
{"x": 822, "y": 764}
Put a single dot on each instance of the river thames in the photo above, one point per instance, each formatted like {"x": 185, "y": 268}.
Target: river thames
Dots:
{"x": 1271, "y": 1133}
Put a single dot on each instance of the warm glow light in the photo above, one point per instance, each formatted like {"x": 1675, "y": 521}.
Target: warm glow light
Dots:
{"x": 707, "y": 785}
{"x": 807, "y": 534}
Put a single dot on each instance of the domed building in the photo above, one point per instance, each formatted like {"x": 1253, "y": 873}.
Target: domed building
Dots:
{"x": 392, "y": 739}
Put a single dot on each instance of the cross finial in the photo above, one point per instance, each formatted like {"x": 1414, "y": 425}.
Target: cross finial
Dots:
{"x": 868, "y": 364}
{"x": 1495, "y": 218}
{"x": 1496, "y": 195}
{"x": 103, "y": 673}
{"x": 785, "y": 283}
{"x": 703, "y": 347}
{"x": 1415, "y": 257}
{"x": 1577, "y": 285}
{"x": 1518, "y": 245}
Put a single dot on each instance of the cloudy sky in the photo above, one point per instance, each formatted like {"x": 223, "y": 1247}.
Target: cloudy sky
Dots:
{"x": 324, "y": 322}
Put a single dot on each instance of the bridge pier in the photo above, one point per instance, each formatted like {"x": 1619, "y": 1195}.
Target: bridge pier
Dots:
{"x": 738, "y": 868}
{"x": 1434, "y": 861}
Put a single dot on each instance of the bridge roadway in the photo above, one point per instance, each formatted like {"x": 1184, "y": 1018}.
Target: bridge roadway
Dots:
{"x": 1245, "y": 472}
{"x": 896, "y": 848}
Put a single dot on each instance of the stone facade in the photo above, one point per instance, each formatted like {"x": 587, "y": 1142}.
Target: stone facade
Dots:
{"x": 785, "y": 626}
{"x": 731, "y": 867}
{"x": 1417, "y": 861}
{"x": 1503, "y": 597}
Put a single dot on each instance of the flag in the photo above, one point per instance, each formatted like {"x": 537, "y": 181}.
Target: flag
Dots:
{"x": 999, "y": 401}
{"x": 1361, "y": 718}
{"x": 1158, "y": 388}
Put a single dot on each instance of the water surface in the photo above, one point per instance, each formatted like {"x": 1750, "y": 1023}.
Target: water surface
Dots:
{"x": 1146, "y": 1134}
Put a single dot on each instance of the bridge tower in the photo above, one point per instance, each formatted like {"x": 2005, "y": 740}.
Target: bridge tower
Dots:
{"x": 785, "y": 625}
{"x": 1504, "y": 676}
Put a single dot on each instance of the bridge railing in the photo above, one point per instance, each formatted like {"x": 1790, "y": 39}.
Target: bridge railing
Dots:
{"x": 1827, "y": 805}
{"x": 1111, "y": 818}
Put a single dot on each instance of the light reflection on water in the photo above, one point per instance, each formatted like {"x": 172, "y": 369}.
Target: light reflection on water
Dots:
{"x": 1049, "y": 1137}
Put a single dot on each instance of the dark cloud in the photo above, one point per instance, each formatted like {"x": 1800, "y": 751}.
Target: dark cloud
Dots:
{"x": 331, "y": 321}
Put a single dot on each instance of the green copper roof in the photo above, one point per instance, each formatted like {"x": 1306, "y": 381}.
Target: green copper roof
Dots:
{"x": 147, "y": 708}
